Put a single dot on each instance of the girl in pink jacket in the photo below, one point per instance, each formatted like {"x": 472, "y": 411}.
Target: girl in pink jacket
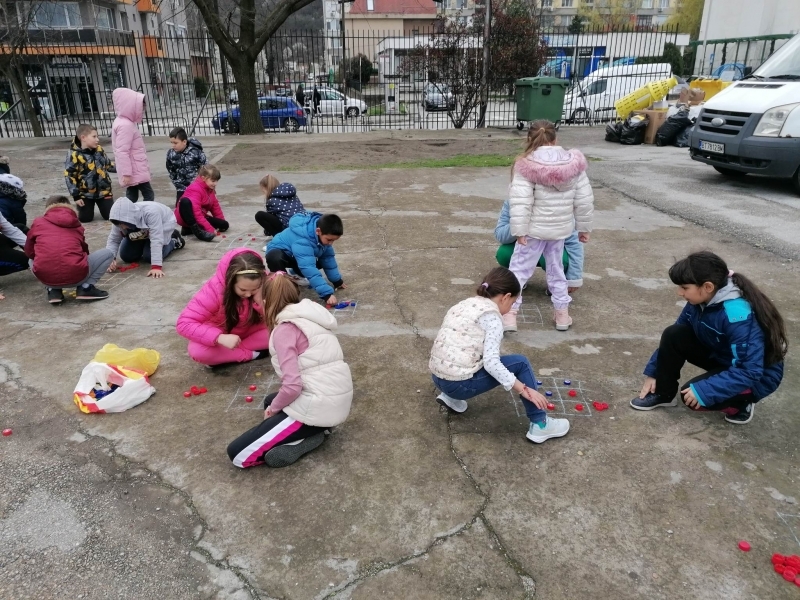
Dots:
{"x": 198, "y": 210}
{"x": 224, "y": 322}
{"x": 130, "y": 155}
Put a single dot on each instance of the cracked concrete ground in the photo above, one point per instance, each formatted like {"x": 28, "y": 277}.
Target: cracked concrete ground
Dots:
{"x": 404, "y": 500}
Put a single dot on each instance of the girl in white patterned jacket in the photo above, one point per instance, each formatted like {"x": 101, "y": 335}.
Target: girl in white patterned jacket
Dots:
{"x": 465, "y": 358}
{"x": 549, "y": 197}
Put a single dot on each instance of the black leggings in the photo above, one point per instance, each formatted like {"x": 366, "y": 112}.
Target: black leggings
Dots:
{"x": 678, "y": 346}
{"x": 148, "y": 195}
{"x": 269, "y": 223}
{"x": 187, "y": 216}
{"x": 11, "y": 260}
{"x": 86, "y": 212}
{"x": 280, "y": 260}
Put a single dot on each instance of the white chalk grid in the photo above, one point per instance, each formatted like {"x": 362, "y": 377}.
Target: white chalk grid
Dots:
{"x": 792, "y": 523}
{"x": 266, "y": 383}
{"x": 530, "y": 315}
{"x": 110, "y": 281}
{"x": 347, "y": 311}
{"x": 564, "y": 403}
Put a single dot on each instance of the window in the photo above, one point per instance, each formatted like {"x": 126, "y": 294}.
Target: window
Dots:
{"x": 547, "y": 3}
{"x": 58, "y": 15}
{"x": 124, "y": 20}
{"x": 597, "y": 87}
{"x": 370, "y": 4}
{"x": 644, "y": 21}
{"x": 647, "y": 4}
{"x": 588, "y": 2}
{"x": 663, "y": 4}
{"x": 567, "y": 3}
{"x": 104, "y": 18}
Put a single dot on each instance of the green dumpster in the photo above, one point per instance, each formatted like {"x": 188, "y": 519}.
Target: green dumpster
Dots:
{"x": 540, "y": 98}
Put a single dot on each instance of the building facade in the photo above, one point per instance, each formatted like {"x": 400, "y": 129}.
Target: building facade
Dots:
{"x": 642, "y": 14}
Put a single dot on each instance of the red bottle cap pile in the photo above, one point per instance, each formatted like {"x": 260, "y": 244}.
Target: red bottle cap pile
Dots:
{"x": 600, "y": 406}
{"x": 195, "y": 391}
{"x": 788, "y": 567}
{"x": 124, "y": 268}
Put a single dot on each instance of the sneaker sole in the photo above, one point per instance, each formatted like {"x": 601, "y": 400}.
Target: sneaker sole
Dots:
{"x": 544, "y": 438}
{"x": 450, "y": 408}
{"x": 509, "y": 329}
{"x": 283, "y": 456}
{"x": 732, "y": 422}
{"x": 55, "y": 301}
{"x": 88, "y": 298}
{"x": 563, "y": 327}
{"x": 662, "y": 405}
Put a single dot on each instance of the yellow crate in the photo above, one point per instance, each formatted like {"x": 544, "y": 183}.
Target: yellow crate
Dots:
{"x": 711, "y": 87}
{"x": 644, "y": 96}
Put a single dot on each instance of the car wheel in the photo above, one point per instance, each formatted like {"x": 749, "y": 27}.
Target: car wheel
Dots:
{"x": 352, "y": 112}
{"x": 231, "y": 126}
{"x": 732, "y": 173}
{"x": 580, "y": 116}
{"x": 520, "y": 125}
{"x": 291, "y": 125}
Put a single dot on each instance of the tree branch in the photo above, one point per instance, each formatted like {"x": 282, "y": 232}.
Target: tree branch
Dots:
{"x": 282, "y": 11}
{"x": 216, "y": 28}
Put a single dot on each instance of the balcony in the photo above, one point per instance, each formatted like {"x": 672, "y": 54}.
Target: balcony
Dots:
{"x": 152, "y": 47}
{"x": 146, "y": 6}
{"x": 78, "y": 41}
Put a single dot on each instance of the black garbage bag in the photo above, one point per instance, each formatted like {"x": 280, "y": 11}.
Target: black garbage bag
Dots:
{"x": 682, "y": 141}
{"x": 613, "y": 132}
{"x": 673, "y": 127}
{"x": 633, "y": 130}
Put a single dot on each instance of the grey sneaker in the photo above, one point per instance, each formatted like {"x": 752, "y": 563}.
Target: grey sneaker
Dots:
{"x": 652, "y": 401}
{"x": 552, "y": 428}
{"x": 745, "y": 415}
{"x": 287, "y": 454}
{"x": 458, "y": 406}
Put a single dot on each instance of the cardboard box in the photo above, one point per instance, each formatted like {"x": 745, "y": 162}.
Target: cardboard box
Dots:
{"x": 657, "y": 118}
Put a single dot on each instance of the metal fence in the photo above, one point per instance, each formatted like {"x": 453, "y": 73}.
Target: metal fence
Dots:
{"x": 187, "y": 83}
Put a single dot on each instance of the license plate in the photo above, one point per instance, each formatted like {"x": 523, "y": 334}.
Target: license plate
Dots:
{"x": 712, "y": 147}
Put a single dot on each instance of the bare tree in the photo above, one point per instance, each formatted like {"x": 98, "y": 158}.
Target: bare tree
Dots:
{"x": 253, "y": 26}
{"x": 16, "y": 19}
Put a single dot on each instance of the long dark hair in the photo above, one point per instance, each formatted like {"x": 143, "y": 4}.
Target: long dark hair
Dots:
{"x": 499, "y": 281}
{"x": 699, "y": 267}
{"x": 246, "y": 261}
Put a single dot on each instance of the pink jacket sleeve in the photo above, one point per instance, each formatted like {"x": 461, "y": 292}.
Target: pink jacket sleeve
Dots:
{"x": 290, "y": 343}
{"x": 123, "y": 140}
{"x": 195, "y": 321}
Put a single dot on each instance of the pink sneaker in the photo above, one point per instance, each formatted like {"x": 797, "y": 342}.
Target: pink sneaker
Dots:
{"x": 510, "y": 321}
{"x": 562, "y": 319}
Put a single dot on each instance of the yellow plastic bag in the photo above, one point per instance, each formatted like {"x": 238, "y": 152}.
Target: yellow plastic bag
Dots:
{"x": 141, "y": 359}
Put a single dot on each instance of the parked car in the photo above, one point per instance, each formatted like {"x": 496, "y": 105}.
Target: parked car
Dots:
{"x": 437, "y": 96}
{"x": 276, "y": 113}
{"x": 333, "y": 102}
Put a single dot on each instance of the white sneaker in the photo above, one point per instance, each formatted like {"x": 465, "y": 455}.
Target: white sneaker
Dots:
{"x": 509, "y": 321}
{"x": 458, "y": 406}
{"x": 552, "y": 428}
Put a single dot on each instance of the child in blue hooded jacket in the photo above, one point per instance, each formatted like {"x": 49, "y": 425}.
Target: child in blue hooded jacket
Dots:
{"x": 305, "y": 247}
{"x": 730, "y": 329}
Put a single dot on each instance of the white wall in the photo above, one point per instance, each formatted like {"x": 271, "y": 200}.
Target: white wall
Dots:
{"x": 747, "y": 18}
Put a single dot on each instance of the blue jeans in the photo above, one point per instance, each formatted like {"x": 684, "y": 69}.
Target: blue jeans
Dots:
{"x": 482, "y": 382}
{"x": 574, "y": 270}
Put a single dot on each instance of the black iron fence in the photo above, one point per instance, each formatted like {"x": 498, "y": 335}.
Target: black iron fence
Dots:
{"x": 365, "y": 80}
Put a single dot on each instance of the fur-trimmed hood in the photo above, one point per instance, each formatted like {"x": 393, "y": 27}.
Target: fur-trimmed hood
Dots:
{"x": 62, "y": 215}
{"x": 552, "y": 166}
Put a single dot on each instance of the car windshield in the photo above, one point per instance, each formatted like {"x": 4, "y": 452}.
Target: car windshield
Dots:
{"x": 784, "y": 64}
{"x": 440, "y": 88}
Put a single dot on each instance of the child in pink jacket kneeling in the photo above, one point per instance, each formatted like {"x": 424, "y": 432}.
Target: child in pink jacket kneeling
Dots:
{"x": 130, "y": 155}
{"x": 198, "y": 210}
{"x": 224, "y": 321}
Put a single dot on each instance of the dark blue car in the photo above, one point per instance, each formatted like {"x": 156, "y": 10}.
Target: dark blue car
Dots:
{"x": 276, "y": 113}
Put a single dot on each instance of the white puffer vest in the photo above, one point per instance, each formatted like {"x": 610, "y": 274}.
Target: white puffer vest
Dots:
{"x": 457, "y": 352}
{"x": 327, "y": 383}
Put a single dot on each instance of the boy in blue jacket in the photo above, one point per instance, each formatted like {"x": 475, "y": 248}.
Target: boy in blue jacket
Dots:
{"x": 306, "y": 246}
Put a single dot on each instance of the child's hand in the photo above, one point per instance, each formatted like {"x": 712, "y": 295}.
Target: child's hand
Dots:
{"x": 331, "y": 301}
{"x": 229, "y": 340}
{"x": 269, "y": 413}
{"x": 80, "y": 202}
{"x": 126, "y": 180}
{"x": 583, "y": 237}
{"x": 689, "y": 398}
{"x": 342, "y": 287}
{"x": 535, "y": 397}
{"x": 2, "y": 297}
{"x": 113, "y": 266}
{"x": 649, "y": 387}
{"x": 522, "y": 240}
{"x": 155, "y": 273}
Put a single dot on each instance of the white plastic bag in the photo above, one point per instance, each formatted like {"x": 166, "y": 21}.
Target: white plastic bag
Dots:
{"x": 134, "y": 388}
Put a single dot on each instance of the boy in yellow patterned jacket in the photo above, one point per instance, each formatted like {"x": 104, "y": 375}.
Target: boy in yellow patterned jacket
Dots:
{"x": 86, "y": 172}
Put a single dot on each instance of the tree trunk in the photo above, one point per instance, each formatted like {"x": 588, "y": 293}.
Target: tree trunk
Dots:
{"x": 244, "y": 72}
{"x": 18, "y": 81}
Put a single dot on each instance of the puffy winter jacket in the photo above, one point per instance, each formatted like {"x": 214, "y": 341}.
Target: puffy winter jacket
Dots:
{"x": 204, "y": 201}
{"x": 301, "y": 241}
{"x": 550, "y": 195}
{"x": 13, "y": 199}
{"x": 203, "y": 319}
{"x": 130, "y": 155}
{"x": 154, "y": 217}
{"x": 183, "y": 166}
{"x": 729, "y": 328}
{"x": 58, "y": 248}
{"x": 284, "y": 203}
{"x": 86, "y": 172}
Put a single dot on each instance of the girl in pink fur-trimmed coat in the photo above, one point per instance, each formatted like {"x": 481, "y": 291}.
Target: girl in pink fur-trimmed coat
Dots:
{"x": 549, "y": 198}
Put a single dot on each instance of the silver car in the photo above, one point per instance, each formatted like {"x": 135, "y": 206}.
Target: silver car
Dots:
{"x": 437, "y": 96}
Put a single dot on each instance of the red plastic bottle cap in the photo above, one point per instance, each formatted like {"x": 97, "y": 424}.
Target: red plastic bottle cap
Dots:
{"x": 253, "y": 388}
{"x": 248, "y": 398}
{"x": 240, "y": 239}
{"x": 744, "y": 546}
{"x": 792, "y": 560}
{"x": 551, "y": 406}
{"x": 187, "y": 394}
{"x": 573, "y": 393}
{"x": 778, "y": 559}
{"x": 252, "y": 239}
{"x": 579, "y": 407}
{"x": 797, "y": 581}
{"x": 789, "y": 574}
{"x": 779, "y": 568}
{"x": 203, "y": 390}
{"x": 7, "y": 432}
{"x": 224, "y": 236}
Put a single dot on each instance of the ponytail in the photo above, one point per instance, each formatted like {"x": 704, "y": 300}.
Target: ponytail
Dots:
{"x": 499, "y": 282}
{"x": 541, "y": 133}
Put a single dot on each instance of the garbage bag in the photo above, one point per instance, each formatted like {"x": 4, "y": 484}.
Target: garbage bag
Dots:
{"x": 682, "y": 141}
{"x": 140, "y": 359}
{"x": 106, "y": 388}
{"x": 674, "y": 126}
{"x": 613, "y": 131}
{"x": 633, "y": 130}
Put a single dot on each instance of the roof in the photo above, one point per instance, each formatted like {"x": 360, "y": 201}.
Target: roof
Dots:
{"x": 394, "y": 7}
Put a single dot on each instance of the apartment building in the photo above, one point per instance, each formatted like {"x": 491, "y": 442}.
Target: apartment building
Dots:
{"x": 643, "y": 14}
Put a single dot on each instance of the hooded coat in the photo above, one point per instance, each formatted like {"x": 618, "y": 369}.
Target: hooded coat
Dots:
{"x": 550, "y": 195}
{"x": 729, "y": 328}
{"x": 284, "y": 203}
{"x": 203, "y": 319}
{"x": 154, "y": 217}
{"x": 86, "y": 172}
{"x": 130, "y": 155}
{"x": 13, "y": 199}
{"x": 204, "y": 201}
{"x": 57, "y": 246}
{"x": 183, "y": 166}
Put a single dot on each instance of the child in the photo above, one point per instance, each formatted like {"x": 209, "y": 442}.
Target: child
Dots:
{"x": 11, "y": 237}
{"x": 184, "y": 159}
{"x": 60, "y": 256}
{"x": 549, "y": 198}
{"x": 282, "y": 205}
{"x": 12, "y": 201}
{"x": 306, "y": 246}
{"x": 130, "y": 155}
{"x": 572, "y": 258}
{"x": 730, "y": 329}
{"x": 198, "y": 211}
{"x": 143, "y": 232}
{"x": 86, "y": 172}
{"x": 465, "y": 358}
{"x": 316, "y": 385}
{"x": 224, "y": 321}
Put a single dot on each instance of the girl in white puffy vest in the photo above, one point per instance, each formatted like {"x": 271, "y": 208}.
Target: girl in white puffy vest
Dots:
{"x": 316, "y": 385}
{"x": 465, "y": 358}
{"x": 549, "y": 197}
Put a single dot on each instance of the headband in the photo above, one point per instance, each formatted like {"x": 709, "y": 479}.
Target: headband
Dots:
{"x": 249, "y": 272}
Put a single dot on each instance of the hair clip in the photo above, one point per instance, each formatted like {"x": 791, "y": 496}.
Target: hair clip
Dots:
{"x": 485, "y": 285}
{"x": 274, "y": 274}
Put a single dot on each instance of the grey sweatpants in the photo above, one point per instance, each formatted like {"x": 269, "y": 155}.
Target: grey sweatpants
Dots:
{"x": 99, "y": 261}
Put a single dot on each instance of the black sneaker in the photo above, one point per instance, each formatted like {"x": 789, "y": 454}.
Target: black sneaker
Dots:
{"x": 186, "y": 230}
{"x": 745, "y": 415}
{"x": 201, "y": 234}
{"x": 262, "y": 355}
{"x": 90, "y": 293}
{"x": 652, "y": 401}
{"x": 286, "y": 454}
{"x": 179, "y": 241}
{"x": 55, "y": 296}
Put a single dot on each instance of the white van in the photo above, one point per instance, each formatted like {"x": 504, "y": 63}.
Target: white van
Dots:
{"x": 593, "y": 98}
{"x": 753, "y": 126}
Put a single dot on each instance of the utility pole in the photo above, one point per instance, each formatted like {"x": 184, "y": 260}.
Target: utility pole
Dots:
{"x": 487, "y": 32}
